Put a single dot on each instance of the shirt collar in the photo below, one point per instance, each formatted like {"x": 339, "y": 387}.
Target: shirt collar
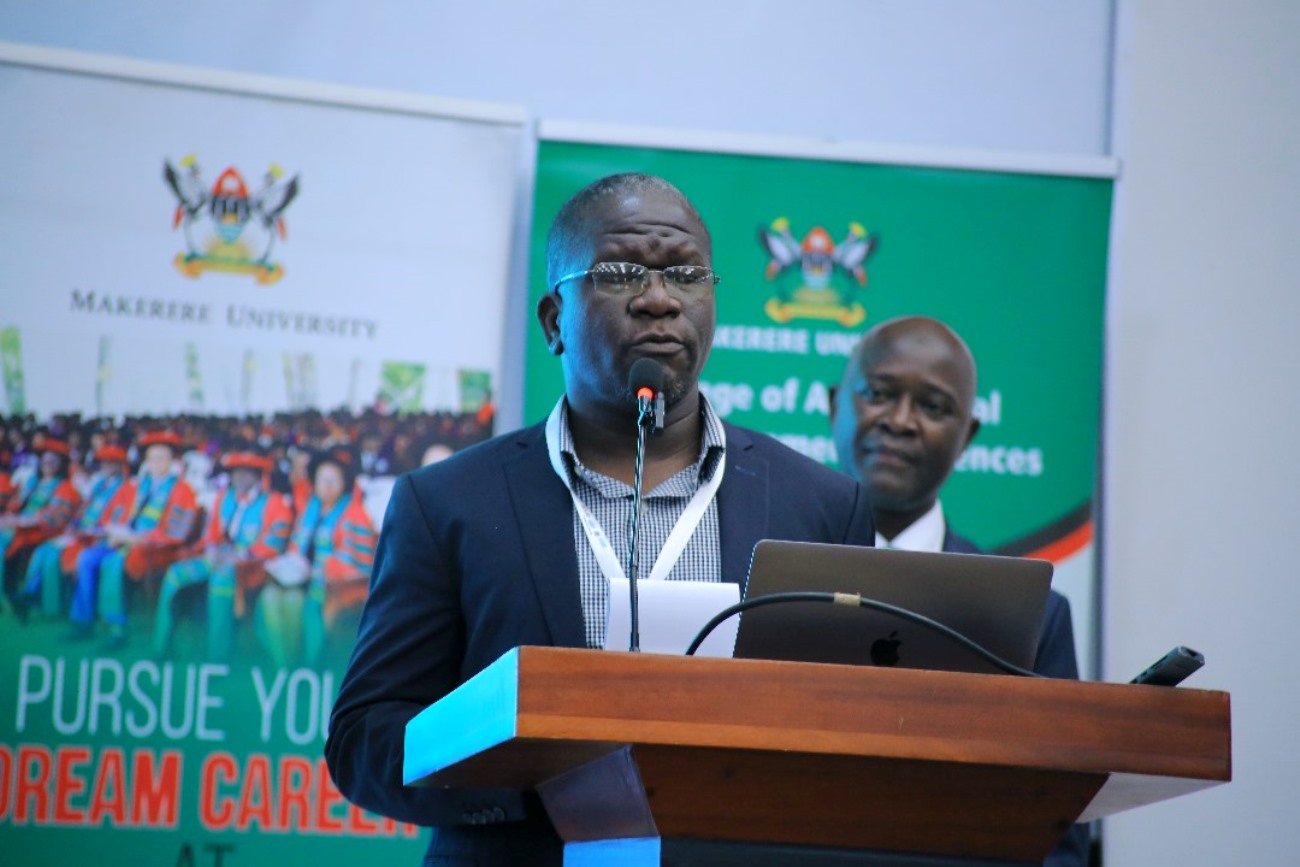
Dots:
{"x": 924, "y": 534}
{"x": 712, "y": 443}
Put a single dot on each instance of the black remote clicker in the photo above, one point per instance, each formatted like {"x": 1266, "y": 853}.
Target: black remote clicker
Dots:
{"x": 1172, "y": 668}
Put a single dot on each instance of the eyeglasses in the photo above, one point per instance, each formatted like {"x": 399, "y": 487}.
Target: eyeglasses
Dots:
{"x": 631, "y": 279}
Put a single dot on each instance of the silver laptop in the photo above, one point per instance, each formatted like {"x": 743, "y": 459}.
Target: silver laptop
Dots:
{"x": 997, "y": 602}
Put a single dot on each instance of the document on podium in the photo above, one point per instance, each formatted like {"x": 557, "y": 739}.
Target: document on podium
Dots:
{"x": 672, "y": 613}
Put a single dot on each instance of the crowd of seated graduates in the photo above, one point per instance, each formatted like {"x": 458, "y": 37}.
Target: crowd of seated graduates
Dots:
{"x": 214, "y": 532}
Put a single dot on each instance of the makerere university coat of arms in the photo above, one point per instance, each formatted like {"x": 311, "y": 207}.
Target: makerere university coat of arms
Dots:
{"x": 816, "y": 258}
{"x": 227, "y": 227}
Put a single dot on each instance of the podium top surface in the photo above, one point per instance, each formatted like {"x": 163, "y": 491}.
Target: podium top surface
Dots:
{"x": 537, "y": 712}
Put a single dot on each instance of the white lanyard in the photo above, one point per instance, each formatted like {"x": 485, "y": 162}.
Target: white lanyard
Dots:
{"x": 606, "y": 558}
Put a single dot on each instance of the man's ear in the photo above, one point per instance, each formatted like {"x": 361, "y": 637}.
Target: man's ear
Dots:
{"x": 971, "y": 431}
{"x": 832, "y": 390}
{"x": 548, "y": 315}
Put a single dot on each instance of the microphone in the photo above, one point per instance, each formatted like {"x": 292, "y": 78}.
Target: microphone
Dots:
{"x": 646, "y": 381}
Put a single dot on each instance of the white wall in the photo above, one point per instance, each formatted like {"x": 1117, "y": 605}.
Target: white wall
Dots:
{"x": 1203, "y": 406}
{"x": 1006, "y": 75}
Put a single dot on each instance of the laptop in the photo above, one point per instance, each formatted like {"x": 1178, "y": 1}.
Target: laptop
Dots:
{"x": 997, "y": 602}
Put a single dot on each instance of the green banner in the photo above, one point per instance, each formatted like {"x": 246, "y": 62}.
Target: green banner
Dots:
{"x": 813, "y": 252}
{"x": 475, "y": 389}
{"x": 11, "y": 365}
{"x": 224, "y": 287}
{"x": 401, "y": 386}
{"x": 216, "y": 756}
{"x": 193, "y": 376}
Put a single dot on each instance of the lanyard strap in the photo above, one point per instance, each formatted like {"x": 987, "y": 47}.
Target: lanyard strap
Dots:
{"x": 606, "y": 557}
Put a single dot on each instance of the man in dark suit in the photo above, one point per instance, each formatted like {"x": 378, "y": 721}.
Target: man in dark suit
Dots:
{"x": 902, "y": 415}
{"x": 495, "y": 547}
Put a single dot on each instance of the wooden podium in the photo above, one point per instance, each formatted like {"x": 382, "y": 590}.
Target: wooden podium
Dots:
{"x": 633, "y": 752}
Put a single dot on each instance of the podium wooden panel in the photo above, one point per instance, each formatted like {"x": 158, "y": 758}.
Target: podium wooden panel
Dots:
{"x": 639, "y": 746}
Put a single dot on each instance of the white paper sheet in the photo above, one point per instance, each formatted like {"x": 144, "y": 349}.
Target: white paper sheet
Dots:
{"x": 672, "y": 614}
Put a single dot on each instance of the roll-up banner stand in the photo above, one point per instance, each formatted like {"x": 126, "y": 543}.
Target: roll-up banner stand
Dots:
{"x": 818, "y": 241}
{"x": 258, "y": 265}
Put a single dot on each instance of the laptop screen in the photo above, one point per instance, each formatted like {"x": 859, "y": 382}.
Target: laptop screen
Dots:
{"x": 997, "y": 602}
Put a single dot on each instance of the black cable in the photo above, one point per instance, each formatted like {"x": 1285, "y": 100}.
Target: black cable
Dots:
{"x": 855, "y": 599}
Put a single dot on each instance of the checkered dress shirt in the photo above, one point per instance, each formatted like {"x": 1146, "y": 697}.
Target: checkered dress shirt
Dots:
{"x": 610, "y": 501}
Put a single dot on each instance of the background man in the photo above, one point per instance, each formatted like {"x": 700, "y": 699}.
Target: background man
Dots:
{"x": 484, "y": 551}
{"x": 901, "y": 417}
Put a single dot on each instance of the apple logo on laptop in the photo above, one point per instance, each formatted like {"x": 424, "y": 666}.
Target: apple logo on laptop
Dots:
{"x": 884, "y": 651}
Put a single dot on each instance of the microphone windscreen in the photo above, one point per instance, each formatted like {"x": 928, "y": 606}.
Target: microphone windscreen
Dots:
{"x": 646, "y": 373}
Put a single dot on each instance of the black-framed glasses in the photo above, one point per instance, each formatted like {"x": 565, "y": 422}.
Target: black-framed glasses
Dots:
{"x": 630, "y": 278}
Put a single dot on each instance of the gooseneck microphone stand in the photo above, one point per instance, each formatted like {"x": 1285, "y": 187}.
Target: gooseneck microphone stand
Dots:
{"x": 646, "y": 380}
{"x": 632, "y": 557}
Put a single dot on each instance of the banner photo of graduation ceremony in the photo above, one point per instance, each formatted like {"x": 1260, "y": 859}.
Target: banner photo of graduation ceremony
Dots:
{"x": 814, "y": 251}
{"x": 234, "y": 310}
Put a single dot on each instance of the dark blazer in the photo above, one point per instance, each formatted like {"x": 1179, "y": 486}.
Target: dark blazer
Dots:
{"x": 1055, "y": 658}
{"x": 476, "y": 557}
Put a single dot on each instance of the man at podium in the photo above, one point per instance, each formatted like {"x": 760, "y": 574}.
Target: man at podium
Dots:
{"x": 509, "y": 543}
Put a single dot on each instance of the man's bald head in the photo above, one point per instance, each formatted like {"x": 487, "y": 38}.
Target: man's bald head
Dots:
{"x": 922, "y": 339}
{"x": 903, "y": 415}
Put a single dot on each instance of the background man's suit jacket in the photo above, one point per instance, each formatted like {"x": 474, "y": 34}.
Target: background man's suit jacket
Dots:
{"x": 1055, "y": 658}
